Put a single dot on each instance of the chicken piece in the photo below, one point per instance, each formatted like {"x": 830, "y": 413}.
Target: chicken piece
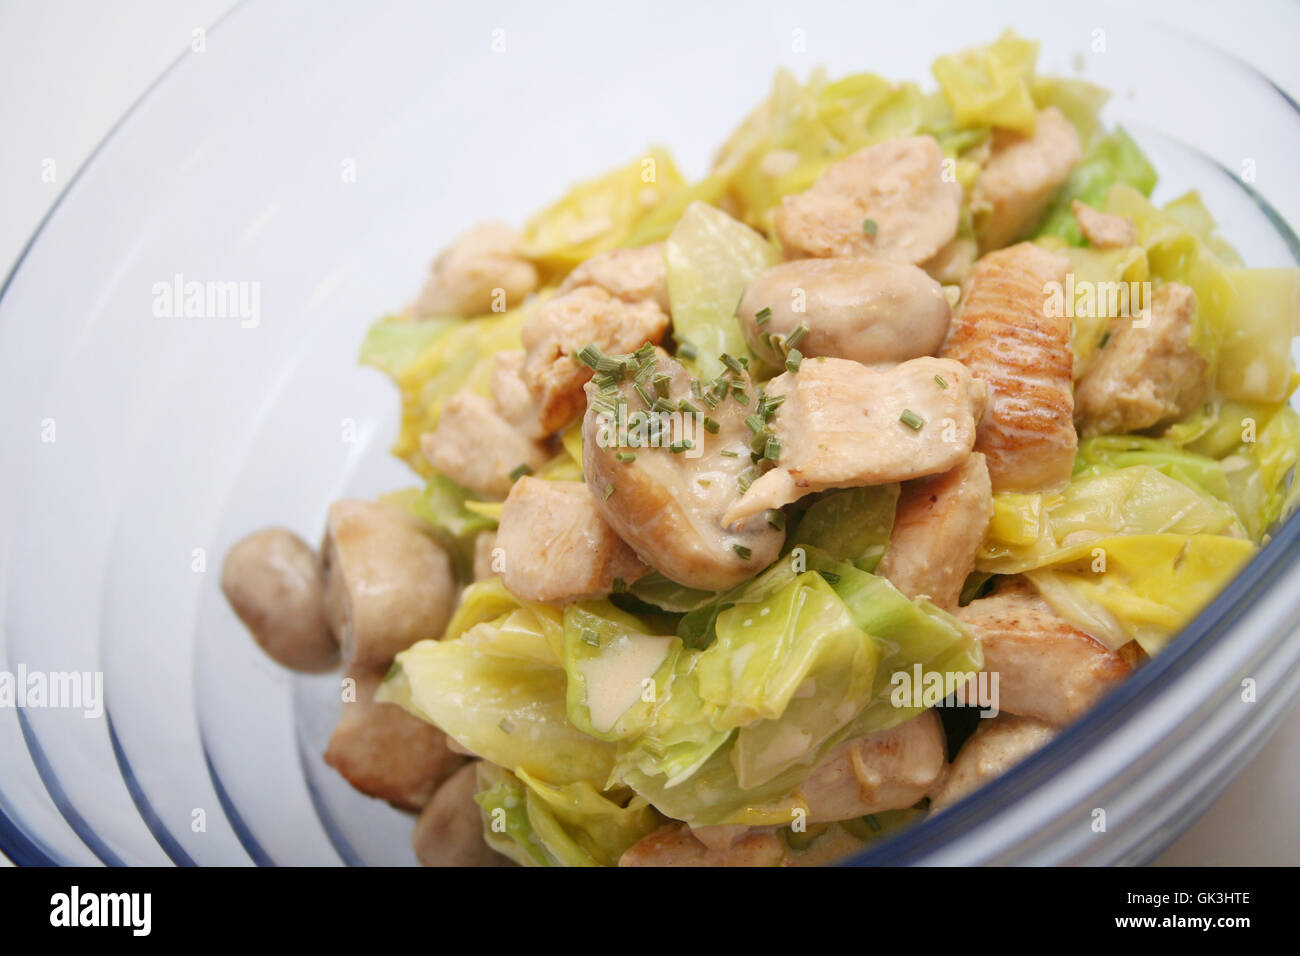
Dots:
{"x": 449, "y": 831}
{"x": 677, "y": 845}
{"x": 939, "y": 526}
{"x": 510, "y": 395}
{"x": 869, "y": 310}
{"x": 951, "y": 263}
{"x": 480, "y": 272}
{"x": 1103, "y": 230}
{"x": 556, "y": 545}
{"x": 889, "y": 201}
{"x": 385, "y": 752}
{"x": 1047, "y": 668}
{"x": 485, "y": 544}
{"x": 1148, "y": 373}
{"x": 387, "y": 583}
{"x": 998, "y": 744}
{"x": 633, "y": 275}
{"x": 1003, "y": 333}
{"x": 669, "y": 506}
{"x": 567, "y": 324}
{"x": 1022, "y": 175}
{"x": 890, "y": 770}
{"x": 477, "y": 448}
{"x": 844, "y": 425}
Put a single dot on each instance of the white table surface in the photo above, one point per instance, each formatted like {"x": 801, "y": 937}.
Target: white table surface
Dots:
{"x": 70, "y": 68}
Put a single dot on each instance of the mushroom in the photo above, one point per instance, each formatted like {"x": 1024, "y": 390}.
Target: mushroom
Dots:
{"x": 449, "y": 831}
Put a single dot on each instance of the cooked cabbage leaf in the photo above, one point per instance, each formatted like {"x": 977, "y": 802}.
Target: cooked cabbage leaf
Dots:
{"x": 1114, "y": 158}
{"x": 990, "y": 85}
{"x": 851, "y": 525}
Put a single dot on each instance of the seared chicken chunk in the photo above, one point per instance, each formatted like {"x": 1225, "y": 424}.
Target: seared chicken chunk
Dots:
{"x": 939, "y": 525}
{"x": 669, "y": 506}
{"x": 481, "y": 272}
{"x": 633, "y": 275}
{"x": 1021, "y": 176}
{"x": 565, "y": 325}
{"x": 1047, "y": 668}
{"x": 387, "y": 583}
{"x": 1103, "y": 230}
{"x": 1003, "y": 333}
{"x": 843, "y": 425}
{"x": 1148, "y": 373}
{"x": 510, "y": 395}
{"x": 890, "y": 201}
{"x": 449, "y": 831}
{"x": 477, "y": 448}
{"x": 385, "y": 752}
{"x": 557, "y": 547}
{"x": 869, "y": 310}
{"x": 998, "y": 744}
{"x": 890, "y": 770}
{"x": 677, "y": 845}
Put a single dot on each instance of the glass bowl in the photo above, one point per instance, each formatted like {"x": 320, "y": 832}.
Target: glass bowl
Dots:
{"x": 317, "y": 156}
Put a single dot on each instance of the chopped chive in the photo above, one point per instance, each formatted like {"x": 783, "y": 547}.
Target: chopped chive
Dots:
{"x": 611, "y": 366}
{"x": 589, "y": 636}
{"x": 728, "y": 453}
{"x": 830, "y": 577}
{"x": 609, "y": 490}
{"x": 590, "y": 356}
{"x": 939, "y": 379}
{"x": 646, "y": 353}
{"x": 869, "y": 227}
{"x": 796, "y": 335}
{"x": 711, "y": 426}
{"x": 776, "y": 518}
{"x": 661, "y": 383}
{"x": 1104, "y": 339}
{"x": 769, "y": 405}
{"x": 642, "y": 394}
{"x": 663, "y": 405}
{"x": 744, "y": 552}
{"x": 755, "y": 423}
{"x": 793, "y": 360}
{"x": 763, "y": 314}
{"x": 506, "y": 726}
{"x": 746, "y": 479}
{"x": 911, "y": 419}
{"x": 739, "y": 394}
{"x": 686, "y": 406}
{"x": 872, "y": 822}
{"x": 696, "y": 389}
{"x": 681, "y": 445}
{"x": 626, "y": 457}
{"x": 772, "y": 450}
{"x": 732, "y": 363}
{"x": 687, "y": 351}
{"x": 524, "y": 469}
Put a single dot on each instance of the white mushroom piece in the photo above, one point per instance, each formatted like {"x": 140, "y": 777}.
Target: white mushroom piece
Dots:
{"x": 869, "y": 310}
{"x": 275, "y": 584}
{"x": 480, "y": 272}
{"x": 385, "y": 752}
{"x": 388, "y": 584}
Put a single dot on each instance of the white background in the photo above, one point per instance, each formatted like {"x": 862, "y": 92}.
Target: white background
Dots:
{"x": 70, "y": 68}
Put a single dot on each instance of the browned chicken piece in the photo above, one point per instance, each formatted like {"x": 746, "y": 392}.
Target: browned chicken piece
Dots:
{"x": 998, "y": 744}
{"x": 449, "y": 831}
{"x": 889, "y": 201}
{"x": 669, "y": 506}
{"x": 951, "y": 263}
{"x": 385, "y": 752}
{"x": 1148, "y": 373}
{"x": 387, "y": 583}
{"x": 633, "y": 275}
{"x": 939, "y": 526}
{"x": 1103, "y": 230}
{"x": 557, "y": 547}
{"x": 1047, "y": 668}
{"x": 869, "y": 310}
{"x": 677, "y": 845}
{"x": 1003, "y": 333}
{"x": 891, "y": 770}
{"x": 477, "y": 448}
{"x": 510, "y": 395}
{"x": 485, "y": 543}
{"x": 844, "y": 425}
{"x": 480, "y": 272}
{"x": 1020, "y": 178}
{"x": 564, "y": 326}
